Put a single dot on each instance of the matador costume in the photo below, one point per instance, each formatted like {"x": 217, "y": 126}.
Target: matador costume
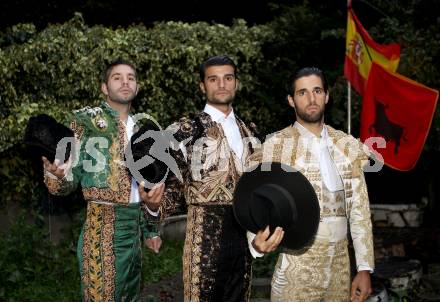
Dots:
{"x": 109, "y": 247}
{"x": 216, "y": 258}
{"x": 321, "y": 270}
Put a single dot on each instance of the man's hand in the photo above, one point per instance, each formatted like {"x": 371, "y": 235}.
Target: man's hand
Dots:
{"x": 361, "y": 286}
{"x": 263, "y": 244}
{"x": 55, "y": 168}
{"x": 152, "y": 198}
{"x": 154, "y": 243}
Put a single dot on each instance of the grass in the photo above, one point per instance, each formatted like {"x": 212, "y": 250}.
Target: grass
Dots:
{"x": 167, "y": 263}
{"x": 32, "y": 268}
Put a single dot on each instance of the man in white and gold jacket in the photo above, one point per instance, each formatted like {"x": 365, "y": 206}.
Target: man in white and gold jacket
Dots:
{"x": 332, "y": 161}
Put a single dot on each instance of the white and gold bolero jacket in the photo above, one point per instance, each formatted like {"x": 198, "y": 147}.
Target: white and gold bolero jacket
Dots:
{"x": 349, "y": 156}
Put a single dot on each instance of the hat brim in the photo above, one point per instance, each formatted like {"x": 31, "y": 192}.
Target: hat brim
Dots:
{"x": 157, "y": 171}
{"x": 303, "y": 229}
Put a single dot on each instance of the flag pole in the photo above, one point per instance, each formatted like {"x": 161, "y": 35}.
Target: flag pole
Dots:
{"x": 348, "y": 93}
{"x": 348, "y": 107}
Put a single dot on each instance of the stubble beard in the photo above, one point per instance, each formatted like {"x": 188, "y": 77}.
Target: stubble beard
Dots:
{"x": 311, "y": 118}
{"x": 114, "y": 97}
{"x": 216, "y": 101}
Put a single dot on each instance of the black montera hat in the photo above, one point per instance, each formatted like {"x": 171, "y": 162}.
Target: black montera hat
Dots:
{"x": 280, "y": 196}
{"x": 42, "y": 135}
{"x": 144, "y": 145}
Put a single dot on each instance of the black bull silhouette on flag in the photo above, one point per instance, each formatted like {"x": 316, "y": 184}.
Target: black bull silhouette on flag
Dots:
{"x": 383, "y": 126}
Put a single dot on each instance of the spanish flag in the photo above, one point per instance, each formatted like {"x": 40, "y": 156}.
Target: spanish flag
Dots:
{"x": 398, "y": 111}
{"x": 361, "y": 51}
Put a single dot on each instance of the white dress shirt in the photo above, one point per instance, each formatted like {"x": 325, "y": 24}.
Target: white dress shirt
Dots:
{"x": 330, "y": 176}
{"x": 230, "y": 128}
{"x": 134, "y": 194}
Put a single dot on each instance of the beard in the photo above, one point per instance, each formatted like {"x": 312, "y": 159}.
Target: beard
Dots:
{"x": 315, "y": 117}
{"x": 124, "y": 100}
{"x": 219, "y": 101}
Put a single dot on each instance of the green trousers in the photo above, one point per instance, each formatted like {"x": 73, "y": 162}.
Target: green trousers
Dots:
{"x": 109, "y": 252}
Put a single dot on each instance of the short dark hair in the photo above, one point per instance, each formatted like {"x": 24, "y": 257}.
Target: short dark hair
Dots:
{"x": 108, "y": 69}
{"x": 305, "y": 72}
{"x": 216, "y": 61}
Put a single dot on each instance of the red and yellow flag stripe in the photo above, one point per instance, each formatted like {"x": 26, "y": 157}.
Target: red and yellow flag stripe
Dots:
{"x": 362, "y": 51}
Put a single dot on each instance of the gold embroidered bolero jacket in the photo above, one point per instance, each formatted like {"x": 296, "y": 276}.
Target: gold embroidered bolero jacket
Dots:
{"x": 349, "y": 156}
{"x": 210, "y": 170}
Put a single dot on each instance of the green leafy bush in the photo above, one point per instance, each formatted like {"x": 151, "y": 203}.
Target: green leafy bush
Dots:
{"x": 33, "y": 268}
{"x": 58, "y": 69}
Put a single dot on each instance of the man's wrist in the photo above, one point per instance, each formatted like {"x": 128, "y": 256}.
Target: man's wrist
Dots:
{"x": 255, "y": 247}
{"x": 154, "y": 207}
{"x": 364, "y": 274}
{"x": 363, "y": 267}
{"x": 51, "y": 175}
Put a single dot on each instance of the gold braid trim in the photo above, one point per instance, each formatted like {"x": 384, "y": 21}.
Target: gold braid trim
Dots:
{"x": 192, "y": 254}
{"x": 98, "y": 269}
{"x": 108, "y": 256}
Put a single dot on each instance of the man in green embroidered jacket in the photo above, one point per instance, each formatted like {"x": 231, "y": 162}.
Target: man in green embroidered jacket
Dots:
{"x": 109, "y": 247}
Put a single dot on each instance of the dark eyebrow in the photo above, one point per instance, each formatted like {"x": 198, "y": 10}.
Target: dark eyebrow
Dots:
{"x": 120, "y": 74}
{"x": 216, "y": 76}
{"x": 301, "y": 90}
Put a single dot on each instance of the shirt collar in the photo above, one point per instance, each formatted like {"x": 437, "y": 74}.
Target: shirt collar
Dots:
{"x": 307, "y": 133}
{"x": 218, "y": 116}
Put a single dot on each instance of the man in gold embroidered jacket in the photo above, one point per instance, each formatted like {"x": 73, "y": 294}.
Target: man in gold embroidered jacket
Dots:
{"x": 214, "y": 145}
{"x": 332, "y": 161}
